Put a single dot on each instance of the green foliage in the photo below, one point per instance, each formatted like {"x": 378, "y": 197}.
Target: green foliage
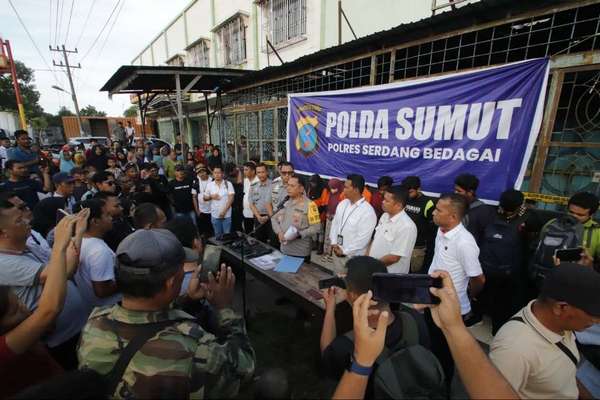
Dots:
{"x": 29, "y": 94}
{"x": 90, "y": 111}
{"x": 131, "y": 112}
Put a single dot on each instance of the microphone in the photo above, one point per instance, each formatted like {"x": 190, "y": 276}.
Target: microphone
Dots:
{"x": 280, "y": 205}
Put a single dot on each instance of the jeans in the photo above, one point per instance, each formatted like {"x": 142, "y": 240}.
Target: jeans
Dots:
{"x": 190, "y": 214}
{"x": 221, "y": 226}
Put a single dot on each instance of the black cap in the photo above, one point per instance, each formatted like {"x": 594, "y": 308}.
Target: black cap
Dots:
{"x": 148, "y": 250}
{"x": 180, "y": 167}
{"x": 574, "y": 284}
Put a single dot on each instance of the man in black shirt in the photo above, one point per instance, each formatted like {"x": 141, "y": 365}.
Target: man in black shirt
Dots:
{"x": 336, "y": 351}
{"x": 479, "y": 215}
{"x": 419, "y": 208}
{"x": 181, "y": 193}
{"x": 26, "y": 189}
{"x": 158, "y": 187}
{"x": 121, "y": 227}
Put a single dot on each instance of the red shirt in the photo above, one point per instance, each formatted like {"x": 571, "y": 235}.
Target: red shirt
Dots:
{"x": 376, "y": 202}
{"x": 19, "y": 371}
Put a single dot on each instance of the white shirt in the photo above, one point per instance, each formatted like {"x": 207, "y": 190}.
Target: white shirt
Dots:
{"x": 396, "y": 236}
{"x": 96, "y": 264}
{"x": 203, "y": 205}
{"x": 223, "y": 190}
{"x": 457, "y": 252}
{"x": 130, "y": 131}
{"x": 247, "y": 183}
{"x": 3, "y": 155}
{"x": 355, "y": 224}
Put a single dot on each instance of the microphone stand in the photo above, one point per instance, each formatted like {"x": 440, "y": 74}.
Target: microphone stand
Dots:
{"x": 243, "y": 241}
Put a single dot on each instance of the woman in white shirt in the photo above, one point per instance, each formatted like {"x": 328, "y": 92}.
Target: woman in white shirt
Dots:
{"x": 220, "y": 194}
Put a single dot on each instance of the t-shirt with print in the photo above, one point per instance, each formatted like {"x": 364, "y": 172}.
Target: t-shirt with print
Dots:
{"x": 182, "y": 195}
{"x": 96, "y": 264}
{"x": 224, "y": 189}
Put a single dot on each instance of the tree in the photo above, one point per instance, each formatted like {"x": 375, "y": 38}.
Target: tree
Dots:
{"x": 29, "y": 94}
{"x": 131, "y": 112}
{"x": 90, "y": 111}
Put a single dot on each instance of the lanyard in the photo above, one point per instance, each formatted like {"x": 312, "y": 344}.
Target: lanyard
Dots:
{"x": 349, "y": 215}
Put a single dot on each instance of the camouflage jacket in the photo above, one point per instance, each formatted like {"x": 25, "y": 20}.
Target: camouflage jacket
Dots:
{"x": 180, "y": 361}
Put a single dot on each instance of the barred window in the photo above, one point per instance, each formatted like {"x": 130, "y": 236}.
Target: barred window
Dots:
{"x": 198, "y": 54}
{"x": 233, "y": 41}
{"x": 284, "y": 20}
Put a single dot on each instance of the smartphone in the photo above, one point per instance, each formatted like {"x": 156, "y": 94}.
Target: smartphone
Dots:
{"x": 60, "y": 214}
{"x": 210, "y": 261}
{"x": 569, "y": 255}
{"x": 329, "y": 282}
{"x": 405, "y": 288}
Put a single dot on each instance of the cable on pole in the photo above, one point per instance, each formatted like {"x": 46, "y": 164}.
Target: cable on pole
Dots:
{"x": 69, "y": 23}
{"x": 87, "y": 18}
{"x": 101, "y": 30}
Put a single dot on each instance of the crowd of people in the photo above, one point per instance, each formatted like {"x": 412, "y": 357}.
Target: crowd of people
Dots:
{"x": 100, "y": 276}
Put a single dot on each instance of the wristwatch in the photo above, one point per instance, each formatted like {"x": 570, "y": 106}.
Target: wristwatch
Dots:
{"x": 358, "y": 369}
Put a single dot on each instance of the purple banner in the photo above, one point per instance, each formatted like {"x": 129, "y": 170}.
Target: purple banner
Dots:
{"x": 483, "y": 122}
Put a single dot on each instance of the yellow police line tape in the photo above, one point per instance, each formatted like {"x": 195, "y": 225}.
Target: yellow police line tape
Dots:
{"x": 546, "y": 198}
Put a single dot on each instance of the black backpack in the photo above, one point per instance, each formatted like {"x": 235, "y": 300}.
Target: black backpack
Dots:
{"x": 561, "y": 233}
{"x": 502, "y": 248}
{"x": 408, "y": 370}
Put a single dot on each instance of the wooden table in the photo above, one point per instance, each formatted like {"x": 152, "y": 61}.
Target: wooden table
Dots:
{"x": 302, "y": 287}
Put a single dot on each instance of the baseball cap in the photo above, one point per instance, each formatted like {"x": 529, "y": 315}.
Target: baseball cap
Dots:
{"x": 150, "y": 250}
{"x": 574, "y": 284}
{"x": 180, "y": 167}
{"x": 62, "y": 177}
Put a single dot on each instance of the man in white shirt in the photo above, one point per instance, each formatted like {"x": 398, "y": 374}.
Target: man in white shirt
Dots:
{"x": 353, "y": 224}
{"x": 457, "y": 253}
{"x": 396, "y": 233}
{"x": 220, "y": 194}
{"x": 130, "y": 133}
{"x": 201, "y": 206}
{"x": 95, "y": 276}
{"x": 4, "y": 146}
{"x": 249, "y": 179}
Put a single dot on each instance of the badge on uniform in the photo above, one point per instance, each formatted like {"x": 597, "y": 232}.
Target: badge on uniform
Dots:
{"x": 340, "y": 240}
{"x": 313, "y": 214}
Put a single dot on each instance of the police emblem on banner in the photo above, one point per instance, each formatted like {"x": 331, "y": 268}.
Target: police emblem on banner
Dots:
{"x": 307, "y": 141}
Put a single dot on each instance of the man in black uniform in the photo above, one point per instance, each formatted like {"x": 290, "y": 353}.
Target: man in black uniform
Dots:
{"x": 479, "y": 215}
{"x": 420, "y": 208}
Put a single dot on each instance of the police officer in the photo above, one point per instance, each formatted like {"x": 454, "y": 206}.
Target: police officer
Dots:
{"x": 259, "y": 200}
{"x": 297, "y": 222}
{"x": 279, "y": 192}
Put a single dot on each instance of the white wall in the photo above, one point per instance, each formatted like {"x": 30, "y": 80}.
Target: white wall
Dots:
{"x": 176, "y": 37}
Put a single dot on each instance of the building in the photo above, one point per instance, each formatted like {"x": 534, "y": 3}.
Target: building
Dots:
{"x": 234, "y": 34}
{"x": 251, "y": 121}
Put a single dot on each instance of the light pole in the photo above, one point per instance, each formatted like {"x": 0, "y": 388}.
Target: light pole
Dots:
{"x": 81, "y": 133}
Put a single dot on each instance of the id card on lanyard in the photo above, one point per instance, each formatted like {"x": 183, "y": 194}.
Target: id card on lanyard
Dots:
{"x": 340, "y": 236}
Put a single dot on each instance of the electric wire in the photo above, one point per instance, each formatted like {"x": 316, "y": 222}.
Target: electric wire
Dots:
{"x": 101, "y": 31}
{"x": 85, "y": 23}
{"x": 69, "y": 23}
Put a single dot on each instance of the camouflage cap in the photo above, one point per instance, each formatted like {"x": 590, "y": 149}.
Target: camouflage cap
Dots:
{"x": 148, "y": 250}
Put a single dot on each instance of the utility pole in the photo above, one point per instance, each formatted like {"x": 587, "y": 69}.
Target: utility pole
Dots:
{"x": 69, "y": 67}
{"x": 5, "y": 44}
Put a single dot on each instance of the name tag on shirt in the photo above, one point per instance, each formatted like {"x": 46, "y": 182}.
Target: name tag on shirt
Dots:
{"x": 340, "y": 240}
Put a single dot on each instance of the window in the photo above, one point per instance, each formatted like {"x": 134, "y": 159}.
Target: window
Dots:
{"x": 285, "y": 20}
{"x": 198, "y": 54}
{"x": 232, "y": 36}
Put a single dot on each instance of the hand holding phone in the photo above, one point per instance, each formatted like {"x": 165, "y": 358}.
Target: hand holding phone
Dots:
{"x": 569, "y": 255}
{"x": 405, "y": 288}
{"x": 336, "y": 281}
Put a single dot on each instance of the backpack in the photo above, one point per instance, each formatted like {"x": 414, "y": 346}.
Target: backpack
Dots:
{"x": 561, "y": 233}
{"x": 408, "y": 370}
{"x": 502, "y": 248}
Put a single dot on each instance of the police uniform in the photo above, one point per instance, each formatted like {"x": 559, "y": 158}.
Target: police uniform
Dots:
{"x": 278, "y": 192}
{"x": 260, "y": 197}
{"x": 304, "y": 215}
{"x": 177, "y": 362}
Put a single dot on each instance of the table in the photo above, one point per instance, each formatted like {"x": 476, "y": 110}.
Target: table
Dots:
{"x": 302, "y": 287}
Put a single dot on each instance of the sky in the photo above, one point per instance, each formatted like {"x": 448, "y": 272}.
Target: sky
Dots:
{"x": 134, "y": 23}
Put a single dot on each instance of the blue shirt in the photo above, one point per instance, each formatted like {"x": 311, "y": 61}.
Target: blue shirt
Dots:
{"x": 18, "y": 154}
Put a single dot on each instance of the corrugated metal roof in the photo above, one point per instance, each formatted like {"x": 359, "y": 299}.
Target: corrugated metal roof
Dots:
{"x": 485, "y": 11}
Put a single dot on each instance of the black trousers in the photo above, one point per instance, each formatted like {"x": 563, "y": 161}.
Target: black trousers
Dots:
{"x": 248, "y": 225}
{"x": 204, "y": 225}
{"x": 264, "y": 232}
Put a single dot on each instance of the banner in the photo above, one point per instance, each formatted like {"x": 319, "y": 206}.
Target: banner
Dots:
{"x": 482, "y": 122}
